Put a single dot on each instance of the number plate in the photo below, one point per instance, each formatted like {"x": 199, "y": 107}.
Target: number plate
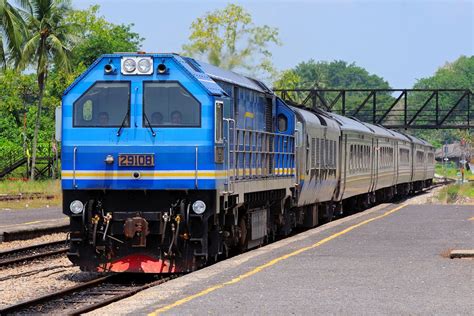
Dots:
{"x": 136, "y": 160}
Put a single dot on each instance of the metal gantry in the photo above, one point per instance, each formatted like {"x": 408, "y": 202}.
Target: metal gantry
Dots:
{"x": 392, "y": 108}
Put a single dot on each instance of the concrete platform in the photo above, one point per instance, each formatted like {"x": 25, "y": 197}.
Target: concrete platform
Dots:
{"x": 392, "y": 259}
{"x": 18, "y": 223}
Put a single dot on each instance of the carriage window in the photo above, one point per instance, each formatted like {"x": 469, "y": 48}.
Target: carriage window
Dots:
{"x": 105, "y": 104}
{"x": 168, "y": 104}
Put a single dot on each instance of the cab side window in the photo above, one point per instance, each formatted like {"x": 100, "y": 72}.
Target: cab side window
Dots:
{"x": 282, "y": 123}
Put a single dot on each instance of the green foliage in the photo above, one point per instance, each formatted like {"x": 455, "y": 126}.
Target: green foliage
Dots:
{"x": 328, "y": 75}
{"x": 50, "y": 187}
{"x": 227, "y": 38}
{"x": 332, "y": 75}
{"x": 451, "y": 170}
{"x": 48, "y": 41}
{"x": 53, "y": 39}
{"x": 11, "y": 33}
{"x": 17, "y": 92}
{"x": 99, "y": 36}
{"x": 49, "y": 37}
{"x": 457, "y": 193}
{"x": 455, "y": 75}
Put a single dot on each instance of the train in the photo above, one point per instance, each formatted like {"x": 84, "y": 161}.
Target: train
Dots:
{"x": 169, "y": 164}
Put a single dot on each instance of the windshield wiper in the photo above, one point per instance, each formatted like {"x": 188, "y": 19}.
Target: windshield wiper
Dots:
{"x": 123, "y": 122}
{"x": 149, "y": 124}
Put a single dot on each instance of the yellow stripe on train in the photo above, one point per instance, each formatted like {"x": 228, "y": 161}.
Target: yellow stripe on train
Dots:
{"x": 158, "y": 174}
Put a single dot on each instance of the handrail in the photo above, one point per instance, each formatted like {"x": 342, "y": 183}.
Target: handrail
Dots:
{"x": 74, "y": 168}
{"x": 228, "y": 182}
{"x": 263, "y": 154}
{"x": 196, "y": 169}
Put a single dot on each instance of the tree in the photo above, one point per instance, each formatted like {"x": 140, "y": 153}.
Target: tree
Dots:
{"x": 337, "y": 74}
{"x": 227, "y": 38}
{"x": 49, "y": 40}
{"x": 458, "y": 74}
{"x": 17, "y": 92}
{"x": 11, "y": 27}
{"x": 99, "y": 36}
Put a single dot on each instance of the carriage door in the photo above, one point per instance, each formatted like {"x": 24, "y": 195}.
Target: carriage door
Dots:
{"x": 425, "y": 163}
{"x": 375, "y": 163}
{"x": 343, "y": 162}
{"x": 395, "y": 161}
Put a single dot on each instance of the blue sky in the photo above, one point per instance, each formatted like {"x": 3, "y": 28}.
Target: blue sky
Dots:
{"x": 398, "y": 40}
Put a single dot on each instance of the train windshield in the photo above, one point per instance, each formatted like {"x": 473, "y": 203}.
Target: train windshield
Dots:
{"x": 105, "y": 104}
{"x": 168, "y": 104}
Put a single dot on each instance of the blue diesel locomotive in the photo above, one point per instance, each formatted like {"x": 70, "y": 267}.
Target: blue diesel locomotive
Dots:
{"x": 169, "y": 163}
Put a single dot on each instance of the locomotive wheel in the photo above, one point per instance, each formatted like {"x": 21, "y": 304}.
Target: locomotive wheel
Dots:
{"x": 243, "y": 240}
{"x": 329, "y": 213}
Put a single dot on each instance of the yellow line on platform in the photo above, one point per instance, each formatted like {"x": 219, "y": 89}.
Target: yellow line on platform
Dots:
{"x": 471, "y": 219}
{"x": 271, "y": 263}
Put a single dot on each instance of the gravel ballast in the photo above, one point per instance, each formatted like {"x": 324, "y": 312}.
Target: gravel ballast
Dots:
{"x": 21, "y": 283}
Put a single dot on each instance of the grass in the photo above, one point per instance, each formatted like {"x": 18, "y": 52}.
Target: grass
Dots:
{"x": 457, "y": 193}
{"x": 30, "y": 204}
{"x": 452, "y": 171}
{"x": 47, "y": 187}
{"x": 50, "y": 187}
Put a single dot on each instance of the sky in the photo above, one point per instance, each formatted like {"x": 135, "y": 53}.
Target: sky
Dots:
{"x": 401, "y": 41}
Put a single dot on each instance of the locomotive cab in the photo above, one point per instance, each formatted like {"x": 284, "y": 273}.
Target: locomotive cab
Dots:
{"x": 142, "y": 160}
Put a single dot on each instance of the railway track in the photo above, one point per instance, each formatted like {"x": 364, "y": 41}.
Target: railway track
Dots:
{"x": 86, "y": 297}
{"x": 25, "y": 196}
{"x": 30, "y": 253}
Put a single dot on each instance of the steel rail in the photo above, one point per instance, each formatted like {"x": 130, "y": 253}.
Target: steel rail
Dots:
{"x": 118, "y": 297}
{"x": 26, "y": 196}
{"x": 62, "y": 294}
{"x": 49, "y": 297}
{"x": 29, "y": 256}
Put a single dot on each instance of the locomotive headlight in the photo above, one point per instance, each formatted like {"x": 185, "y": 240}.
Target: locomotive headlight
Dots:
{"x": 129, "y": 65}
{"x": 76, "y": 207}
{"x": 199, "y": 207}
{"x": 145, "y": 65}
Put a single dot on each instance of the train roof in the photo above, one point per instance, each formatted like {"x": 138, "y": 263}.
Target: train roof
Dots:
{"x": 381, "y": 131}
{"x": 418, "y": 141}
{"x": 309, "y": 116}
{"x": 205, "y": 73}
{"x": 188, "y": 65}
{"x": 231, "y": 77}
{"x": 348, "y": 124}
{"x": 402, "y": 136}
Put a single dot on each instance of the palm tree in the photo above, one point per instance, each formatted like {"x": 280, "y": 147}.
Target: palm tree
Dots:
{"x": 11, "y": 30}
{"x": 48, "y": 42}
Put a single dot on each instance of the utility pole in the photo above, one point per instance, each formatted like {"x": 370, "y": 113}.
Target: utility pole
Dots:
{"x": 445, "y": 160}
{"x": 463, "y": 161}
